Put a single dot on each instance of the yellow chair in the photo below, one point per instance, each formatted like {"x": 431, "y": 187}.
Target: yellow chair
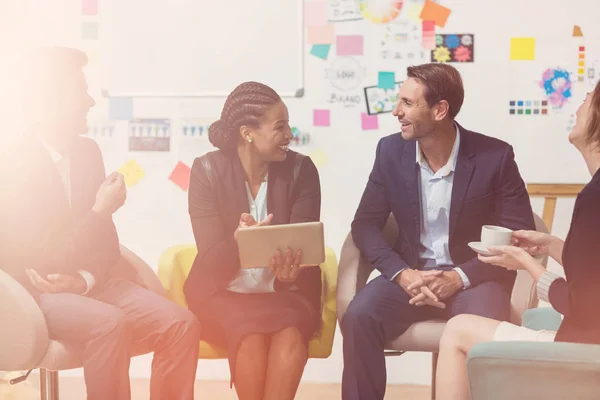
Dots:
{"x": 175, "y": 264}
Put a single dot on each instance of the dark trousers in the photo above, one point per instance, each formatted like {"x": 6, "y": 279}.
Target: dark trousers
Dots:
{"x": 380, "y": 312}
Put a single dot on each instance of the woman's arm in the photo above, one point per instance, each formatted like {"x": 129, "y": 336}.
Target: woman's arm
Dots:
{"x": 218, "y": 258}
{"x": 306, "y": 208}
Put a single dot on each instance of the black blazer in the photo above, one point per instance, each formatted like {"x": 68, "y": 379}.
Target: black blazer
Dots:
{"x": 215, "y": 210}
{"x": 38, "y": 228}
{"x": 578, "y": 297}
{"x": 487, "y": 189}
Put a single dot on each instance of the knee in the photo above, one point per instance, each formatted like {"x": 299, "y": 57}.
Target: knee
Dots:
{"x": 289, "y": 346}
{"x": 187, "y": 326}
{"x": 253, "y": 347}
{"x": 456, "y": 332}
{"x": 114, "y": 324}
{"x": 356, "y": 315}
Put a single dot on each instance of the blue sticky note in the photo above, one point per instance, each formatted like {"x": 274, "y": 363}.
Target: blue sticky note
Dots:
{"x": 320, "y": 50}
{"x": 121, "y": 108}
{"x": 520, "y": 103}
{"x": 386, "y": 80}
{"x": 528, "y": 103}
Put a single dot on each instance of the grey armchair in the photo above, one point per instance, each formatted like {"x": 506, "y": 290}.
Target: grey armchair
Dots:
{"x": 24, "y": 340}
{"x": 535, "y": 371}
{"x": 354, "y": 271}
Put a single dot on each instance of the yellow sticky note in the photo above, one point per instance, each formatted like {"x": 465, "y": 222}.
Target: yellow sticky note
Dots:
{"x": 319, "y": 157}
{"x": 132, "y": 172}
{"x": 414, "y": 12}
{"x": 522, "y": 49}
{"x": 581, "y": 63}
{"x": 581, "y": 71}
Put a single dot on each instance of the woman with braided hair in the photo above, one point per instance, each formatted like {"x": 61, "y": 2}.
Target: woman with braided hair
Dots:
{"x": 264, "y": 317}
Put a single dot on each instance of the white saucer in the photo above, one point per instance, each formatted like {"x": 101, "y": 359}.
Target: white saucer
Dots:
{"x": 479, "y": 248}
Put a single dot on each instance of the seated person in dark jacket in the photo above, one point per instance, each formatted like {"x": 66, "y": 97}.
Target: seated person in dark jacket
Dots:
{"x": 264, "y": 317}
{"x": 577, "y": 297}
{"x": 57, "y": 239}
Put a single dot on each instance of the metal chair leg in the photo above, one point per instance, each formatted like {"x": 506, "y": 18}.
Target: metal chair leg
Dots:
{"x": 434, "y": 361}
{"x": 48, "y": 385}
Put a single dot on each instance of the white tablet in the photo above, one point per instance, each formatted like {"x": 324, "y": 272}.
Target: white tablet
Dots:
{"x": 258, "y": 244}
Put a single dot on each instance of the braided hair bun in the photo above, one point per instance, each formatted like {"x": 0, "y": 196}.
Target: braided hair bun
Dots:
{"x": 221, "y": 136}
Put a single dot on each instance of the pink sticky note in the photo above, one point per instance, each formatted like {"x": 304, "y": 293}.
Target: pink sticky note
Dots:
{"x": 321, "y": 34}
{"x": 369, "y": 122}
{"x": 349, "y": 45}
{"x": 321, "y": 118}
{"x": 89, "y": 7}
{"x": 315, "y": 13}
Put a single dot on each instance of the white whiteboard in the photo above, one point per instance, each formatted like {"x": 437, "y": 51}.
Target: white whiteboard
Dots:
{"x": 202, "y": 48}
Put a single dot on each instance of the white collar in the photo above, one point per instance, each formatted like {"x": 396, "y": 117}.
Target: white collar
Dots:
{"x": 55, "y": 155}
{"x": 450, "y": 165}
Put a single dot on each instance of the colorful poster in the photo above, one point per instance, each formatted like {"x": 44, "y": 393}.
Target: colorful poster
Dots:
{"x": 380, "y": 100}
{"x": 556, "y": 83}
{"x": 380, "y": 12}
{"x": 150, "y": 135}
{"x": 456, "y": 47}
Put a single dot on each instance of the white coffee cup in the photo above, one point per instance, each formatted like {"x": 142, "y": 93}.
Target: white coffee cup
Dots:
{"x": 492, "y": 235}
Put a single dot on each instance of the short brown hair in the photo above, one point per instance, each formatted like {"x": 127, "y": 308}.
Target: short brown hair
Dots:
{"x": 592, "y": 134}
{"x": 442, "y": 82}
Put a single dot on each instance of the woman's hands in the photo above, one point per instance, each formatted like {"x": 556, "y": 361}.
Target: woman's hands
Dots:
{"x": 286, "y": 267}
{"x": 247, "y": 220}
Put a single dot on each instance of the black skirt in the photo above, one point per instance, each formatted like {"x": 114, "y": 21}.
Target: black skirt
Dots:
{"x": 227, "y": 317}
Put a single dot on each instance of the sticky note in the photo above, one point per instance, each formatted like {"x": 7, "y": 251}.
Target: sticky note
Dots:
{"x": 315, "y": 13}
{"x": 320, "y": 50}
{"x": 577, "y": 31}
{"x": 132, "y": 172}
{"x": 435, "y": 12}
{"x": 321, "y": 117}
{"x": 120, "y": 108}
{"x": 522, "y": 48}
{"x": 321, "y": 34}
{"x": 181, "y": 176}
{"x": 318, "y": 157}
{"x": 349, "y": 45}
{"x": 89, "y": 30}
{"x": 369, "y": 122}
{"x": 386, "y": 80}
{"x": 89, "y": 7}
{"x": 414, "y": 12}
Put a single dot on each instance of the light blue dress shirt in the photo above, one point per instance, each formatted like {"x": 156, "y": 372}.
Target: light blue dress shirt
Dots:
{"x": 436, "y": 195}
{"x": 255, "y": 280}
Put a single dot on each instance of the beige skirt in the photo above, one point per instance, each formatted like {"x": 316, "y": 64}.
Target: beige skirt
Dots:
{"x": 507, "y": 332}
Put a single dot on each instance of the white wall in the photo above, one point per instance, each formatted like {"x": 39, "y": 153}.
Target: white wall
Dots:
{"x": 155, "y": 216}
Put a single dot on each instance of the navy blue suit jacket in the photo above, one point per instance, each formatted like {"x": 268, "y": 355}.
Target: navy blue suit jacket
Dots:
{"x": 487, "y": 189}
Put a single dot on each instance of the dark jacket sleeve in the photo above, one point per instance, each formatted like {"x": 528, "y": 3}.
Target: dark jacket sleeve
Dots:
{"x": 369, "y": 221}
{"x": 89, "y": 242}
{"x": 218, "y": 259}
{"x": 579, "y": 296}
{"x": 513, "y": 210}
{"x": 306, "y": 207}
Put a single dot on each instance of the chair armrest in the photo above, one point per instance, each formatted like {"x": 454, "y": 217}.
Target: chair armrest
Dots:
{"x": 24, "y": 334}
{"x": 534, "y": 370}
{"x": 545, "y": 318}
{"x": 322, "y": 344}
{"x": 145, "y": 275}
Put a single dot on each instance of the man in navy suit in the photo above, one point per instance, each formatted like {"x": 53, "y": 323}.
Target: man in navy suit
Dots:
{"x": 442, "y": 183}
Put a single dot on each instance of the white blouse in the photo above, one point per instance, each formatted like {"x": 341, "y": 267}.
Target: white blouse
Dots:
{"x": 255, "y": 280}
